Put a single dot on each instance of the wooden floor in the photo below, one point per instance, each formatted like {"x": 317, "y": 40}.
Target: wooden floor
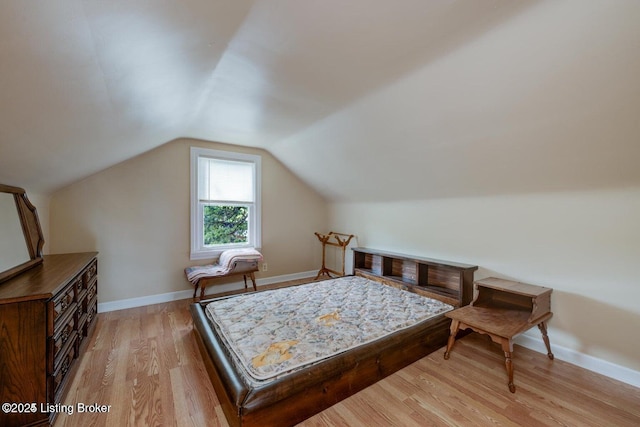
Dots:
{"x": 145, "y": 364}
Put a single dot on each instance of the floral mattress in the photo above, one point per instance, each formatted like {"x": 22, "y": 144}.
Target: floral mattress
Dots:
{"x": 272, "y": 333}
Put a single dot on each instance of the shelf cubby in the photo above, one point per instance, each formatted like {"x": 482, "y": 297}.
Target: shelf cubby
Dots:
{"x": 451, "y": 282}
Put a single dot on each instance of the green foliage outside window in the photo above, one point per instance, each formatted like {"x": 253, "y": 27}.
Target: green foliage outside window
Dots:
{"x": 225, "y": 224}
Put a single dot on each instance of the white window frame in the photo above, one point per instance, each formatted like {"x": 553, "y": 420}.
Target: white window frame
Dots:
{"x": 198, "y": 249}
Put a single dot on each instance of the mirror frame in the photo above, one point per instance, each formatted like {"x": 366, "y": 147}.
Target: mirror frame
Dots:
{"x": 31, "y": 229}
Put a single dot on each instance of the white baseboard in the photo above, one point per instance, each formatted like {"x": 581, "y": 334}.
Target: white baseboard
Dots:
{"x": 585, "y": 361}
{"x": 608, "y": 369}
{"x": 178, "y": 295}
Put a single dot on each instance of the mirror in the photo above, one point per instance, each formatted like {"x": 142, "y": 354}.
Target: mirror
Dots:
{"x": 21, "y": 239}
{"x": 13, "y": 247}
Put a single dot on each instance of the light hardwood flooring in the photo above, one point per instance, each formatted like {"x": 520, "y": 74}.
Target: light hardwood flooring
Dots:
{"x": 145, "y": 364}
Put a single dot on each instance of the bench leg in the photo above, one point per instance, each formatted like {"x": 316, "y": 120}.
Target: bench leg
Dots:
{"x": 253, "y": 280}
{"x": 195, "y": 291}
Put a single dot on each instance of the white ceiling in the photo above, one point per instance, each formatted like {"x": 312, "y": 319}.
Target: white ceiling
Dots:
{"x": 363, "y": 99}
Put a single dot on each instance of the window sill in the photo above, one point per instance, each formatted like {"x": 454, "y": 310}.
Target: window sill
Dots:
{"x": 215, "y": 253}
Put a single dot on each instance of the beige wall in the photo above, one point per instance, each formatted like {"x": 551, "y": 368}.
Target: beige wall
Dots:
{"x": 585, "y": 245}
{"x": 136, "y": 214}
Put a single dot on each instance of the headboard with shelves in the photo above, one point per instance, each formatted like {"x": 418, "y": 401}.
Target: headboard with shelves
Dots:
{"x": 450, "y": 282}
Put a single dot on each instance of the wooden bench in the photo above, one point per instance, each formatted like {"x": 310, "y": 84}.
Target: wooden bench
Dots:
{"x": 232, "y": 262}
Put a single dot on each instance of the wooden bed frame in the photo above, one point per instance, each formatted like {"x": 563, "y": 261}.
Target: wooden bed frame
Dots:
{"x": 297, "y": 396}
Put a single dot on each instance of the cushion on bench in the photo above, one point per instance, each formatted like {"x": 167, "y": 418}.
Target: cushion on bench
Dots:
{"x": 225, "y": 266}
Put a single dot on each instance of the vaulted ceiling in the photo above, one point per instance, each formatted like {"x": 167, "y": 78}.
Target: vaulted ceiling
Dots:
{"x": 363, "y": 99}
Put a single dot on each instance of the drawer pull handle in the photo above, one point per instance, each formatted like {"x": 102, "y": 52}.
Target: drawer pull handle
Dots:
{"x": 65, "y": 366}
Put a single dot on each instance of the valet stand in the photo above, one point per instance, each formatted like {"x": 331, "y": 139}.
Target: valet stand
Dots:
{"x": 341, "y": 241}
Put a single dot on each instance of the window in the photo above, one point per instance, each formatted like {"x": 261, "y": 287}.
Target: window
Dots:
{"x": 225, "y": 201}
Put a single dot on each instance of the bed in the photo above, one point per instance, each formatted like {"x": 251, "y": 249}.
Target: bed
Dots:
{"x": 267, "y": 396}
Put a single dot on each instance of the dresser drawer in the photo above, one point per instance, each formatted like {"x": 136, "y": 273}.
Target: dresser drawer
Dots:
{"x": 91, "y": 294}
{"x": 90, "y": 274}
{"x": 92, "y": 311}
{"x": 60, "y": 339}
{"x": 64, "y": 300}
{"x": 60, "y": 375}
{"x": 82, "y": 327}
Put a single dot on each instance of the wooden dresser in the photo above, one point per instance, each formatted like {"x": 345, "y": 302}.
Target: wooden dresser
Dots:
{"x": 46, "y": 316}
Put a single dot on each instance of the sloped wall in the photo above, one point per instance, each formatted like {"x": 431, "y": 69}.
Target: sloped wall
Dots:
{"x": 584, "y": 245}
{"x": 546, "y": 101}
